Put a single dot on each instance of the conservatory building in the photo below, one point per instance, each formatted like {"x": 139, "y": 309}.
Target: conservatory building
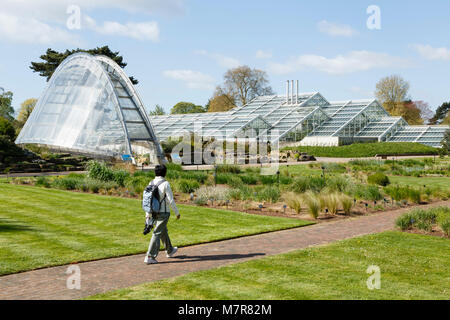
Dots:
{"x": 304, "y": 119}
{"x": 91, "y": 107}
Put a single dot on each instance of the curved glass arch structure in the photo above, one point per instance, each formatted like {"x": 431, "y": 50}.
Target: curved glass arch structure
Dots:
{"x": 90, "y": 107}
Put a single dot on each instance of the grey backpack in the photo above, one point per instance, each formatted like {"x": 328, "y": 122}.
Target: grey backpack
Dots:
{"x": 150, "y": 199}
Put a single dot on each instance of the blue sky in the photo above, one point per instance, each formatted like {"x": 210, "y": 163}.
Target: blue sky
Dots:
{"x": 180, "y": 49}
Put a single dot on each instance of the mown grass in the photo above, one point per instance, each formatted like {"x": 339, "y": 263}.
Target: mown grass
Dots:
{"x": 45, "y": 227}
{"x": 441, "y": 182}
{"x": 361, "y": 150}
{"x": 412, "y": 267}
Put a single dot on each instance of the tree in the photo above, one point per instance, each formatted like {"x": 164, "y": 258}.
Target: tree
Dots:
{"x": 25, "y": 110}
{"x": 6, "y": 109}
{"x": 159, "y": 111}
{"x": 408, "y": 111}
{"x": 7, "y": 129}
{"x": 425, "y": 112}
{"x": 243, "y": 84}
{"x": 222, "y": 102}
{"x": 52, "y": 59}
{"x": 392, "y": 91}
{"x": 186, "y": 107}
{"x": 442, "y": 112}
{"x": 446, "y": 142}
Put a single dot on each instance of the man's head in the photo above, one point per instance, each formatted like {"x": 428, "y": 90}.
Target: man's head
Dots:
{"x": 160, "y": 170}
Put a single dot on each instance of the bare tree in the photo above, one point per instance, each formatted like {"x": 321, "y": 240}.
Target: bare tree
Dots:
{"x": 392, "y": 91}
{"x": 425, "y": 112}
{"x": 242, "y": 84}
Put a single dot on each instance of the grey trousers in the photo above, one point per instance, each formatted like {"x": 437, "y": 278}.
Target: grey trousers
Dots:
{"x": 160, "y": 233}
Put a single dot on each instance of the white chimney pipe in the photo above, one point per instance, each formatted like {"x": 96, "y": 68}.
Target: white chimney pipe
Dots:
{"x": 292, "y": 93}
{"x": 287, "y": 92}
{"x": 296, "y": 96}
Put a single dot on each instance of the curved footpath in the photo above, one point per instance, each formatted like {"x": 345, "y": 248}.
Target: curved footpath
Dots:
{"x": 109, "y": 274}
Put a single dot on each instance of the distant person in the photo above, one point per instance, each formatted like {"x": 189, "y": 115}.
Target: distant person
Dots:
{"x": 160, "y": 232}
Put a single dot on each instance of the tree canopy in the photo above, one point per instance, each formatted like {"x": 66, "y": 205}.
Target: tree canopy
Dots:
{"x": 392, "y": 91}
{"x": 158, "y": 111}
{"x": 221, "y": 102}
{"x": 186, "y": 107}
{"x": 52, "y": 59}
{"x": 442, "y": 115}
{"x": 242, "y": 84}
{"x": 25, "y": 110}
{"x": 7, "y": 129}
{"x": 6, "y": 109}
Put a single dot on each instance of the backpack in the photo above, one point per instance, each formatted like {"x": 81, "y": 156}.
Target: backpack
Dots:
{"x": 150, "y": 199}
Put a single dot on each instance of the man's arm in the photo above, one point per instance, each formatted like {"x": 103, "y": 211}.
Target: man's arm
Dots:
{"x": 170, "y": 198}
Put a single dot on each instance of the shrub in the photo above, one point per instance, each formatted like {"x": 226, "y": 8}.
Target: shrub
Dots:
{"x": 269, "y": 193}
{"x": 268, "y": 179}
{"x": 338, "y": 184}
{"x": 378, "y": 178}
{"x": 371, "y": 193}
{"x": 414, "y": 195}
{"x": 217, "y": 193}
{"x": 42, "y": 182}
{"x": 249, "y": 179}
{"x": 99, "y": 170}
{"x": 346, "y": 203}
{"x": 173, "y": 167}
{"x": 303, "y": 184}
{"x": 242, "y": 193}
{"x": 193, "y": 175}
{"x": 228, "y": 168}
{"x": 313, "y": 204}
{"x": 405, "y": 221}
{"x": 65, "y": 183}
{"x": 332, "y": 202}
{"x": 120, "y": 176}
{"x": 136, "y": 184}
{"x": 186, "y": 186}
{"x": 293, "y": 201}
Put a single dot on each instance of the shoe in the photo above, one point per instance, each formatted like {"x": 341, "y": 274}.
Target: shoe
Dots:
{"x": 150, "y": 260}
{"x": 174, "y": 250}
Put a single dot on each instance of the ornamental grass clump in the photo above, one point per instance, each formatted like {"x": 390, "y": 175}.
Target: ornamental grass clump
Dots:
{"x": 215, "y": 193}
{"x": 346, "y": 204}
{"x": 293, "y": 201}
{"x": 312, "y": 203}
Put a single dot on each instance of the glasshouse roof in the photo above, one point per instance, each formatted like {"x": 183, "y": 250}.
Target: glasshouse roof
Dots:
{"x": 306, "y": 118}
{"x": 90, "y": 107}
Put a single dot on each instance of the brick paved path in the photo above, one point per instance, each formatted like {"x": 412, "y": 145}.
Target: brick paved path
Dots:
{"x": 105, "y": 275}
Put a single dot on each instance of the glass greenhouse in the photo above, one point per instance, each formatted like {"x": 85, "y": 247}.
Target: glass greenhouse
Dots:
{"x": 306, "y": 119}
{"x": 91, "y": 107}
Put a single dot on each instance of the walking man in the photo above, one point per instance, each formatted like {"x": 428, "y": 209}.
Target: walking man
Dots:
{"x": 160, "y": 232}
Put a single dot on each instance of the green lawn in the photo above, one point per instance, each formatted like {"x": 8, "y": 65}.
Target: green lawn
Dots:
{"x": 361, "y": 150}
{"x": 412, "y": 267}
{"x": 45, "y": 227}
{"x": 442, "y": 182}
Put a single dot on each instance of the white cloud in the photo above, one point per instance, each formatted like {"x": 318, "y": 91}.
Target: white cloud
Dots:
{"x": 140, "y": 31}
{"x": 55, "y": 10}
{"x": 430, "y": 53}
{"x": 192, "y": 79}
{"x": 336, "y": 30}
{"x": 261, "y": 54}
{"x": 29, "y": 30}
{"x": 355, "y": 61}
{"x": 222, "y": 60}
{"x": 44, "y": 21}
